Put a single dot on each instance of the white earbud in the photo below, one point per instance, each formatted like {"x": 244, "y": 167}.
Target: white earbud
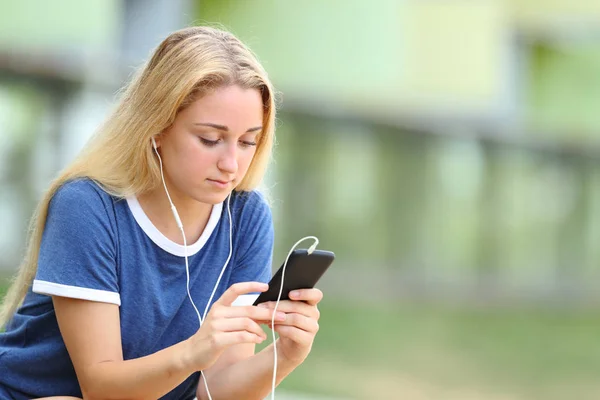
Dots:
{"x": 187, "y": 267}
{"x": 187, "y": 270}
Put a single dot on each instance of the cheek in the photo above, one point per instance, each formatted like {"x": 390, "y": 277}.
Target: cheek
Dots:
{"x": 245, "y": 160}
{"x": 195, "y": 160}
{"x": 203, "y": 161}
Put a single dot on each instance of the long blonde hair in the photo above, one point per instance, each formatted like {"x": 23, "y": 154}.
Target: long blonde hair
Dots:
{"x": 185, "y": 66}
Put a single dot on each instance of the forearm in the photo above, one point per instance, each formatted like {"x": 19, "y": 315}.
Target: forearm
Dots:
{"x": 248, "y": 379}
{"x": 148, "y": 377}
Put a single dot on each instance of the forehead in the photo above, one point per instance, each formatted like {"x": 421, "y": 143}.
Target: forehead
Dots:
{"x": 231, "y": 105}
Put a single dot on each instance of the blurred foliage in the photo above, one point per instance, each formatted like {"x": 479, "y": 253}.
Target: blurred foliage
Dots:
{"x": 466, "y": 214}
{"x": 455, "y": 175}
{"x": 564, "y": 90}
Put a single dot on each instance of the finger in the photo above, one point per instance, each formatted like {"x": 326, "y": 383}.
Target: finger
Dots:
{"x": 224, "y": 339}
{"x": 238, "y": 324}
{"x": 298, "y": 307}
{"x": 311, "y": 296}
{"x": 301, "y": 322}
{"x": 298, "y": 336}
{"x": 259, "y": 314}
{"x": 239, "y": 289}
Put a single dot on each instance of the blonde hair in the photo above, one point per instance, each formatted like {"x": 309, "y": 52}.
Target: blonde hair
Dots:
{"x": 188, "y": 64}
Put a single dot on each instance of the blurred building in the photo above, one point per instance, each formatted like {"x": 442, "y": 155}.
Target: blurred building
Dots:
{"x": 446, "y": 149}
{"x": 443, "y": 149}
{"x": 61, "y": 64}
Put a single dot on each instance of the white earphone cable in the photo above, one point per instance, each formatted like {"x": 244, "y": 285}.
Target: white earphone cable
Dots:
{"x": 187, "y": 267}
{"x": 310, "y": 250}
{"x": 226, "y": 262}
{"x": 187, "y": 272}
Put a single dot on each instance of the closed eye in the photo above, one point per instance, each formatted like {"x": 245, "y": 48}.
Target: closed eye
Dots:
{"x": 245, "y": 143}
{"x": 212, "y": 143}
{"x": 209, "y": 143}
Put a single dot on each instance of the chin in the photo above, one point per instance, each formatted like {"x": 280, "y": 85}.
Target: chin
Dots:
{"x": 213, "y": 198}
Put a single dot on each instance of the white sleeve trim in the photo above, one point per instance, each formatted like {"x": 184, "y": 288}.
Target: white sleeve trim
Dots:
{"x": 75, "y": 292}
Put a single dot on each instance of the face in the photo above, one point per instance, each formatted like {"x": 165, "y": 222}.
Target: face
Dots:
{"x": 209, "y": 147}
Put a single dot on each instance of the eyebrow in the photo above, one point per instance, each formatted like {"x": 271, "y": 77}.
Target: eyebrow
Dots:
{"x": 225, "y": 128}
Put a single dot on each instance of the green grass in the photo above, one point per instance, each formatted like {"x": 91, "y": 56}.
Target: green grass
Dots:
{"x": 371, "y": 352}
{"x": 418, "y": 352}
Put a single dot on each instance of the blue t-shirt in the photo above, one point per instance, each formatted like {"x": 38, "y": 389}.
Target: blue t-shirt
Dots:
{"x": 100, "y": 248}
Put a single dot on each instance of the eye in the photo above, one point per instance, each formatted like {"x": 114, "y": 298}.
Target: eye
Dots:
{"x": 245, "y": 143}
{"x": 209, "y": 143}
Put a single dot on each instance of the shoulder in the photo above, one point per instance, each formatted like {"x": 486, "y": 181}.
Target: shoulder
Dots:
{"x": 80, "y": 192}
{"x": 253, "y": 230}
{"x": 80, "y": 214}
{"x": 250, "y": 205}
{"x": 81, "y": 202}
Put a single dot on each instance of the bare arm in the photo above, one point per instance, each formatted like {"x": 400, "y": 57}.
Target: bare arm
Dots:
{"x": 249, "y": 379}
{"x": 91, "y": 332}
{"x": 92, "y": 335}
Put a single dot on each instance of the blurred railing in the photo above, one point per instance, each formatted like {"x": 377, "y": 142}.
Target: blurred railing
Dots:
{"x": 441, "y": 214}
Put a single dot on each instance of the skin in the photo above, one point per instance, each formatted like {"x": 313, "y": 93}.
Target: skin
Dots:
{"x": 213, "y": 140}
{"x": 205, "y": 154}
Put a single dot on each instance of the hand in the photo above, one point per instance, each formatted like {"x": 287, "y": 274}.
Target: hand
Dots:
{"x": 298, "y": 331}
{"x": 226, "y": 325}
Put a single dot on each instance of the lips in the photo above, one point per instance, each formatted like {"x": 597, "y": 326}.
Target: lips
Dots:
{"x": 220, "y": 181}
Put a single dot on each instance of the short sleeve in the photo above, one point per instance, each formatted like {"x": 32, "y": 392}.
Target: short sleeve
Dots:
{"x": 77, "y": 255}
{"x": 254, "y": 248}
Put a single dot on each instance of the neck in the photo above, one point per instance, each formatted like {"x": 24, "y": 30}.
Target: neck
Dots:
{"x": 194, "y": 215}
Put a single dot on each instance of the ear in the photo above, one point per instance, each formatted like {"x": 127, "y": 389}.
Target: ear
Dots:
{"x": 156, "y": 141}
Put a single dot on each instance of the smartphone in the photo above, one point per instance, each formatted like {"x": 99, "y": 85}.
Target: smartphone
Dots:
{"x": 303, "y": 271}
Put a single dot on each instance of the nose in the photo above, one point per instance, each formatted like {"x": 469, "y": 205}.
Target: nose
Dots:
{"x": 228, "y": 162}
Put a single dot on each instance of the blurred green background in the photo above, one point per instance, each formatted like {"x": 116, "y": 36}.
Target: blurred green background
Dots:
{"x": 447, "y": 151}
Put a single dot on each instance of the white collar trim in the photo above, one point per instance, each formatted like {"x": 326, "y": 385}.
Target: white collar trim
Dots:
{"x": 165, "y": 243}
